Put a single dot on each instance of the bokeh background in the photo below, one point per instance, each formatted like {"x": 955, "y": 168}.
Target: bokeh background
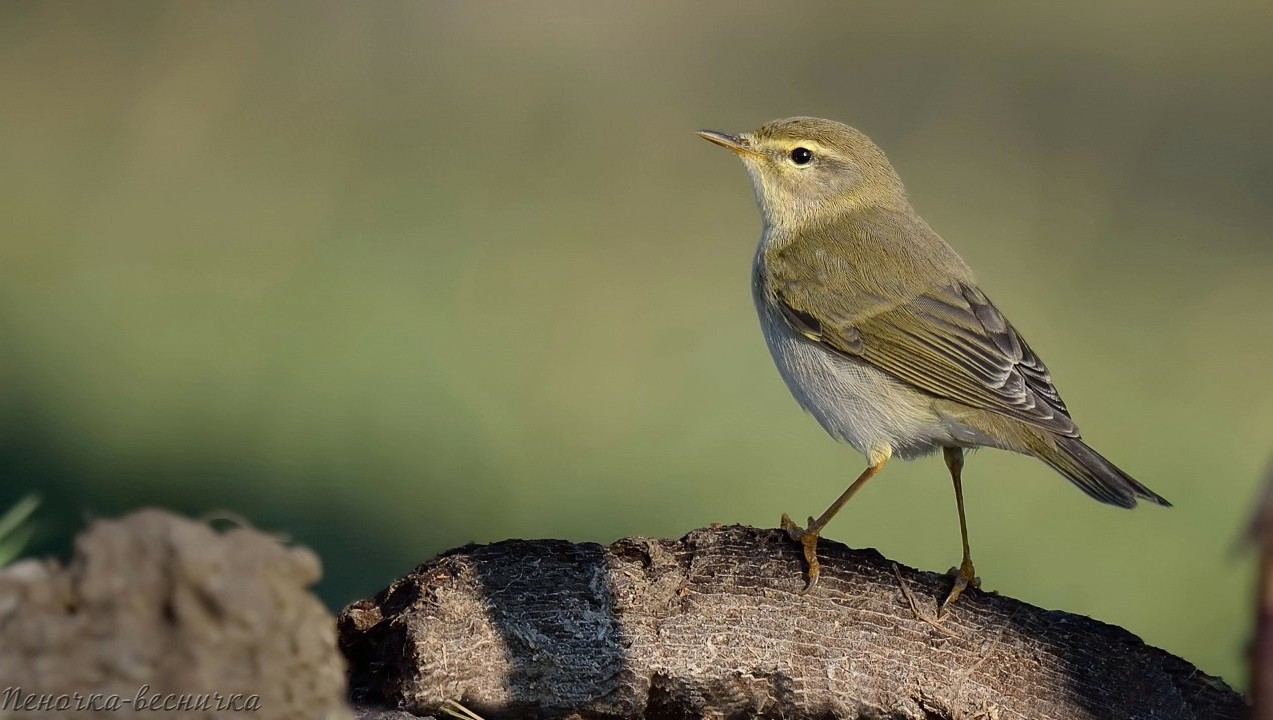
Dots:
{"x": 389, "y": 277}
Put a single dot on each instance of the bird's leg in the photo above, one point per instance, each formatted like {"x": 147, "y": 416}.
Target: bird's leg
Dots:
{"x": 965, "y": 575}
{"x": 808, "y": 536}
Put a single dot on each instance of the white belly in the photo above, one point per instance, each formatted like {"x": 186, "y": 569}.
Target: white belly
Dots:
{"x": 857, "y": 403}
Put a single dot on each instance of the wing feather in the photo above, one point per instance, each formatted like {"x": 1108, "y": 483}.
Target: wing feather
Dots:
{"x": 952, "y": 343}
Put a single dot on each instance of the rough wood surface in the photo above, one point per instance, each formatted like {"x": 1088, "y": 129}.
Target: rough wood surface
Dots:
{"x": 713, "y": 626}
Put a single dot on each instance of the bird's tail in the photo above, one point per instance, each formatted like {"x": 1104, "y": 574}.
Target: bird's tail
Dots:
{"x": 1095, "y": 475}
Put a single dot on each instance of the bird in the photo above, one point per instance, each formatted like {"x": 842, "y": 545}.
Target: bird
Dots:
{"x": 883, "y": 335}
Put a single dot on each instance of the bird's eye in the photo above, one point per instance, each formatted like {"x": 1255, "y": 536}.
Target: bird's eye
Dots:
{"x": 802, "y": 156}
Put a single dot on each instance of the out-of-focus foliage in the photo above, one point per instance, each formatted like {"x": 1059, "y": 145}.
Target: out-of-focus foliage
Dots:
{"x": 392, "y": 277}
{"x": 17, "y": 528}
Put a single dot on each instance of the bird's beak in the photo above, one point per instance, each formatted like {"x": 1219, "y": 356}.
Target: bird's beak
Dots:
{"x": 733, "y": 143}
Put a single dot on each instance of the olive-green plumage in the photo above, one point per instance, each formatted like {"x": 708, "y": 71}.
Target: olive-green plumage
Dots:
{"x": 878, "y": 326}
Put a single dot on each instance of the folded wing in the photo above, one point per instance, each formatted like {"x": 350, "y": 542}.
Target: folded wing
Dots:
{"x": 951, "y": 343}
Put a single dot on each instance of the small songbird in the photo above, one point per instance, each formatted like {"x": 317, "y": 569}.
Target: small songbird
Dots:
{"x": 881, "y": 333}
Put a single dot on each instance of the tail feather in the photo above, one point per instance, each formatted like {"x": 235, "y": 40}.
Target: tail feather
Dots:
{"x": 1095, "y": 475}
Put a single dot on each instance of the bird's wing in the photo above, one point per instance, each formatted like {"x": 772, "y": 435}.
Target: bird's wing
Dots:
{"x": 952, "y": 343}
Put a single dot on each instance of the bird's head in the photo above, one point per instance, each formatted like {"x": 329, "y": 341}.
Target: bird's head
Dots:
{"x": 805, "y": 169}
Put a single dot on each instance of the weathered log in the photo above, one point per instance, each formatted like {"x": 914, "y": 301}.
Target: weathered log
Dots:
{"x": 714, "y": 625}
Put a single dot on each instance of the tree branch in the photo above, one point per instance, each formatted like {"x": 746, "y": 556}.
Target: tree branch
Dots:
{"x": 713, "y": 625}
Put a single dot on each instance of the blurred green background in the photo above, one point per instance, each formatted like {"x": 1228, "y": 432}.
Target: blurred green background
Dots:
{"x": 393, "y": 277}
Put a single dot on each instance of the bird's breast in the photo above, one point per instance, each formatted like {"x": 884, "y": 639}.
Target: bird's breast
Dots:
{"x": 855, "y": 402}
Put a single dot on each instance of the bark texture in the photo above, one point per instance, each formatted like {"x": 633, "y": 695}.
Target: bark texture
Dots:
{"x": 713, "y": 626}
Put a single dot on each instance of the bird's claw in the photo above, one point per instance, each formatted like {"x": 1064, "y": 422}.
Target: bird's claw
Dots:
{"x": 807, "y": 537}
{"x": 965, "y": 577}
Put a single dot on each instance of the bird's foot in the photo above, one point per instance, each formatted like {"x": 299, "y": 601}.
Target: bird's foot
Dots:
{"x": 808, "y": 537}
{"x": 965, "y": 577}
